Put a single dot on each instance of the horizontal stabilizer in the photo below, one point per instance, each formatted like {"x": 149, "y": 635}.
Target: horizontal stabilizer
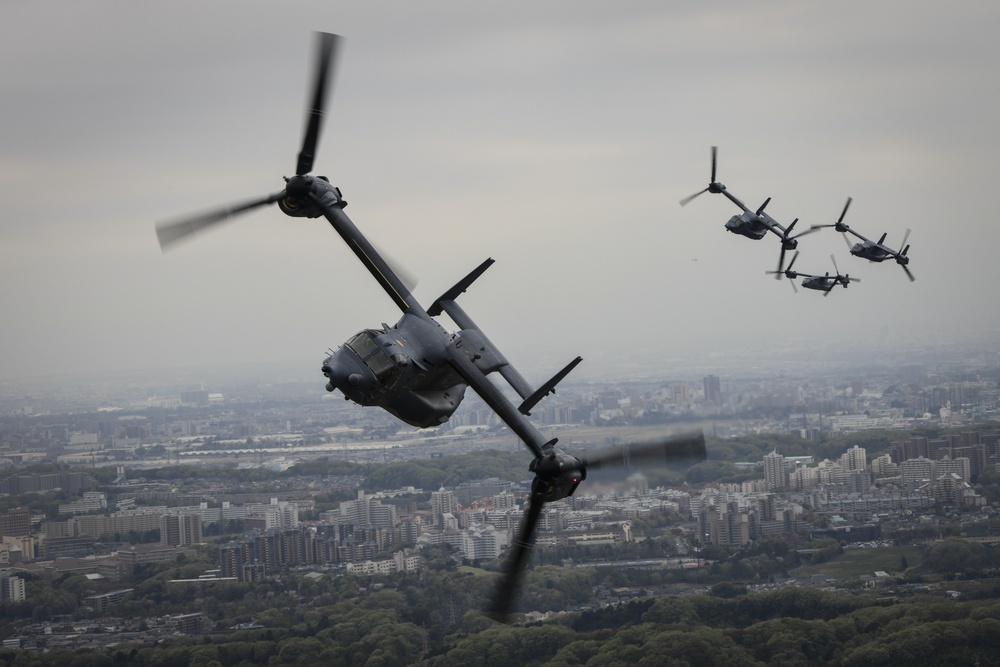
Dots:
{"x": 547, "y": 388}
{"x": 459, "y": 287}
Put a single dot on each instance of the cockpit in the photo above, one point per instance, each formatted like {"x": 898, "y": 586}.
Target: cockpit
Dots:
{"x": 384, "y": 367}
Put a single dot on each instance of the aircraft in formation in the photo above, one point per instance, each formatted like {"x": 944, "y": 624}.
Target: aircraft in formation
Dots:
{"x": 823, "y": 283}
{"x": 418, "y": 371}
{"x": 873, "y": 251}
{"x": 755, "y": 224}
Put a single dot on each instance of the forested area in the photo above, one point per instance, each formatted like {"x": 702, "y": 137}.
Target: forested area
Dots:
{"x": 433, "y": 620}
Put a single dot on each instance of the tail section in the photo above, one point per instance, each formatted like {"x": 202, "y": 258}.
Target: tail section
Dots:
{"x": 485, "y": 354}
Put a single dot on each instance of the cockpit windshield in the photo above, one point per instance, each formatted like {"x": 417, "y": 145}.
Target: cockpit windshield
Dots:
{"x": 375, "y": 358}
{"x": 363, "y": 344}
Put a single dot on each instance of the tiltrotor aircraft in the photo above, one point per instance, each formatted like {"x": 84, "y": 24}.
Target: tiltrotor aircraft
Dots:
{"x": 873, "y": 251}
{"x": 418, "y": 371}
{"x": 752, "y": 224}
{"x": 823, "y": 283}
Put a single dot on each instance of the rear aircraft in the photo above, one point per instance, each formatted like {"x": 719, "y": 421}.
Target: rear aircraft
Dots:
{"x": 873, "y": 251}
{"x": 823, "y": 283}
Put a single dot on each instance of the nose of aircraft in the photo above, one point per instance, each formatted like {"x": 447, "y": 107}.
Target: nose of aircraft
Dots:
{"x": 342, "y": 373}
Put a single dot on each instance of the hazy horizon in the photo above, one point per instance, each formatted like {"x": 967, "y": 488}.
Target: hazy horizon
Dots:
{"x": 556, "y": 138}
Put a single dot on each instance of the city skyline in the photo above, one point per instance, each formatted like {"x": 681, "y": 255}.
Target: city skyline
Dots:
{"x": 556, "y": 139}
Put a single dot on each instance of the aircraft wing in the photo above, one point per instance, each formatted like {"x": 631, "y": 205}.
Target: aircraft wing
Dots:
{"x": 867, "y": 240}
{"x": 494, "y": 398}
{"x": 383, "y": 272}
{"x": 894, "y": 253}
{"x": 733, "y": 198}
{"x": 772, "y": 225}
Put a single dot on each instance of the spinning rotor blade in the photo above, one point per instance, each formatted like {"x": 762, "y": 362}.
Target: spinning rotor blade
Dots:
{"x": 326, "y": 53}
{"x": 517, "y": 558}
{"x": 686, "y": 200}
{"x": 902, "y": 259}
{"x": 172, "y": 232}
{"x": 787, "y": 273}
{"x": 840, "y": 220}
{"x": 407, "y": 277}
{"x": 683, "y": 448}
{"x": 803, "y": 233}
{"x": 794, "y": 257}
{"x": 841, "y": 227}
{"x": 903, "y": 243}
{"x": 781, "y": 262}
{"x": 788, "y": 243}
{"x": 550, "y": 473}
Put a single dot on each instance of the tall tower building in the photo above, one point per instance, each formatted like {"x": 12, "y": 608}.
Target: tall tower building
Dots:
{"x": 15, "y": 523}
{"x": 180, "y": 529}
{"x": 775, "y": 474}
{"x": 916, "y": 471}
{"x": 713, "y": 389}
{"x": 855, "y": 458}
{"x": 368, "y": 511}
{"x": 232, "y": 555}
{"x": 12, "y": 589}
{"x": 442, "y": 502}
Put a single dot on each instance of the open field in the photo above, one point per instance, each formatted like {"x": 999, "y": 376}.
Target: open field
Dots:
{"x": 858, "y": 562}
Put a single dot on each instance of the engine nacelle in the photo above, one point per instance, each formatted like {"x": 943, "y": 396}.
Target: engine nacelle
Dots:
{"x": 557, "y": 474}
{"x": 298, "y": 201}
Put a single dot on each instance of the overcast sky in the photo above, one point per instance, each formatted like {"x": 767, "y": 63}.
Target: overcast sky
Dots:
{"x": 555, "y": 137}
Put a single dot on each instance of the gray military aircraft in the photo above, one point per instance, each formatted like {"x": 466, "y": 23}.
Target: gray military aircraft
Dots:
{"x": 751, "y": 224}
{"x": 419, "y": 372}
{"x": 823, "y": 283}
{"x": 873, "y": 251}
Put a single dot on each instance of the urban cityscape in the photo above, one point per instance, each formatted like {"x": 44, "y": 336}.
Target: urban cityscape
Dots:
{"x": 259, "y": 481}
{"x": 688, "y": 446}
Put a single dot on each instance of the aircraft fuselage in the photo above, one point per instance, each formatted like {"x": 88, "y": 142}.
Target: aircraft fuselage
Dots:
{"x": 748, "y": 225}
{"x": 870, "y": 252}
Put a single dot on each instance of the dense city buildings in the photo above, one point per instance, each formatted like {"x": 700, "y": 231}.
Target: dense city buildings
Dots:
{"x": 815, "y": 471}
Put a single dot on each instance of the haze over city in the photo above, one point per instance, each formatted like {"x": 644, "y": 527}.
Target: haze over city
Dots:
{"x": 557, "y": 139}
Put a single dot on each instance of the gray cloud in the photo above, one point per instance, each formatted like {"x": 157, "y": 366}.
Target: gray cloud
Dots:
{"x": 557, "y": 138}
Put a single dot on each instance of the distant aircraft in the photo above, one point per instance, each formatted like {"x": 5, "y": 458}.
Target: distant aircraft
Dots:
{"x": 823, "y": 283}
{"x": 871, "y": 250}
{"x": 752, "y": 224}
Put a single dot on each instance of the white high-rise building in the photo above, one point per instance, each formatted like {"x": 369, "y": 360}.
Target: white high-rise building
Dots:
{"x": 368, "y": 511}
{"x": 12, "y": 589}
{"x": 442, "y": 505}
{"x": 775, "y": 475}
{"x": 915, "y": 471}
{"x": 959, "y": 466}
{"x": 855, "y": 458}
{"x": 485, "y": 543}
{"x": 442, "y": 502}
